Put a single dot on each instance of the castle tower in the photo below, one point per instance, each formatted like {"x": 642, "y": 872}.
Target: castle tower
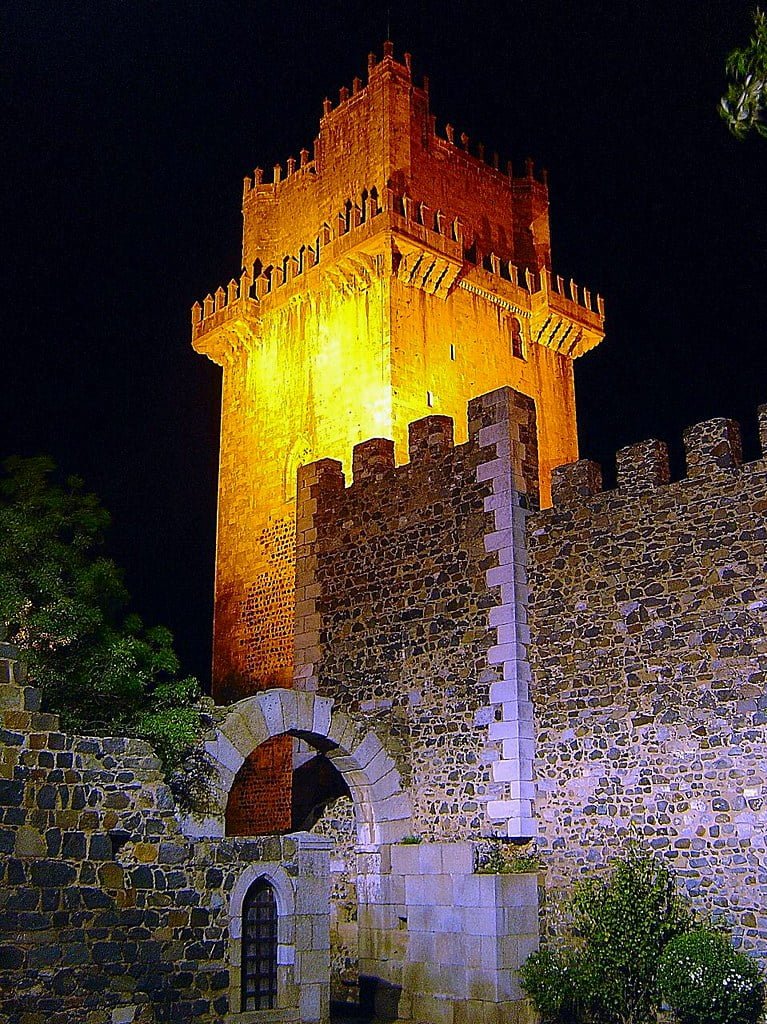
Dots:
{"x": 392, "y": 274}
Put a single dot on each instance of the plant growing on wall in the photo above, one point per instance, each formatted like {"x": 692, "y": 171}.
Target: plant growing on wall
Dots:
{"x": 65, "y": 605}
{"x": 603, "y": 970}
{"x": 497, "y": 856}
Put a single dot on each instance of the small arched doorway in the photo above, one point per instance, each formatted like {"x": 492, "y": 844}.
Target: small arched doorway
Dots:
{"x": 341, "y": 754}
{"x": 258, "y": 987}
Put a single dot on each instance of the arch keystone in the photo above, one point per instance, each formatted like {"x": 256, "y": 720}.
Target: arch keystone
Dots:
{"x": 270, "y": 703}
{"x": 304, "y": 710}
{"x": 323, "y": 710}
{"x": 289, "y": 710}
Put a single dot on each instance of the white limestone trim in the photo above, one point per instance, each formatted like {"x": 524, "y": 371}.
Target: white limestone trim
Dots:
{"x": 513, "y": 731}
{"x": 284, "y": 894}
{"x": 285, "y": 897}
{"x": 381, "y": 807}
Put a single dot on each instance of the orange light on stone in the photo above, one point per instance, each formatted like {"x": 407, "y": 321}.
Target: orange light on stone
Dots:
{"x": 393, "y": 275}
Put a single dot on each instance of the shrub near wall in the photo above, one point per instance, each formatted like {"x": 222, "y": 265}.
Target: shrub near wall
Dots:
{"x": 703, "y": 978}
{"x": 603, "y": 970}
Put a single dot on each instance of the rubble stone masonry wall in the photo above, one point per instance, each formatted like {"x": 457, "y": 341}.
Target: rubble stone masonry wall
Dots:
{"x": 648, "y": 614}
{"x": 108, "y": 913}
{"x": 397, "y": 576}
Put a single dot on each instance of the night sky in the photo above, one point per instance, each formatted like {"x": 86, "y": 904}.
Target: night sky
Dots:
{"x": 128, "y": 126}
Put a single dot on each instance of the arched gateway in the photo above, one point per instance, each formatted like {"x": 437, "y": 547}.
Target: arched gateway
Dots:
{"x": 381, "y": 807}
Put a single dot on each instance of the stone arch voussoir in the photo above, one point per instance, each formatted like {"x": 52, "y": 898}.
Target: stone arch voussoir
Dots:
{"x": 381, "y": 805}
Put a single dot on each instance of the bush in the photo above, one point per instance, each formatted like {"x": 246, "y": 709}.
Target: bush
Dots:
{"x": 604, "y": 970}
{"x": 624, "y": 922}
{"x": 705, "y": 981}
{"x": 551, "y": 980}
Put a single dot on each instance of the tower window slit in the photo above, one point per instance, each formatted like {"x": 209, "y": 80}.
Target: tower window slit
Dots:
{"x": 517, "y": 343}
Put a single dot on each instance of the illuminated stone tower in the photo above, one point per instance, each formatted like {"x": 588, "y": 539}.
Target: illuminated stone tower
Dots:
{"x": 391, "y": 274}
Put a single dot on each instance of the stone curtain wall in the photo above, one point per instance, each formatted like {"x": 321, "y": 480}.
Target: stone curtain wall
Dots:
{"x": 649, "y": 619}
{"x": 107, "y": 912}
{"x": 396, "y": 577}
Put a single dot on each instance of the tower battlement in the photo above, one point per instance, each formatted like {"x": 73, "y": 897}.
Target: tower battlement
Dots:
{"x": 254, "y": 186}
{"x": 570, "y": 323}
{"x": 382, "y": 134}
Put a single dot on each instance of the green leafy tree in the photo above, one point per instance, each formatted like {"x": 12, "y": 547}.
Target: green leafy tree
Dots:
{"x": 604, "y": 969}
{"x": 65, "y": 605}
{"x": 744, "y": 105}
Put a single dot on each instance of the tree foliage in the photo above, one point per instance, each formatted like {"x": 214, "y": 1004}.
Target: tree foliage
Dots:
{"x": 744, "y": 105}
{"x": 64, "y": 603}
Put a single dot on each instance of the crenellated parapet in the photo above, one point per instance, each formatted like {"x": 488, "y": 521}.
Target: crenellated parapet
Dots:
{"x": 456, "y": 145}
{"x": 388, "y": 231}
{"x": 431, "y": 445}
{"x": 712, "y": 448}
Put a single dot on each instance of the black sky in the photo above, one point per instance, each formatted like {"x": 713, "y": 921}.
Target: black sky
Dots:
{"x": 127, "y": 128}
